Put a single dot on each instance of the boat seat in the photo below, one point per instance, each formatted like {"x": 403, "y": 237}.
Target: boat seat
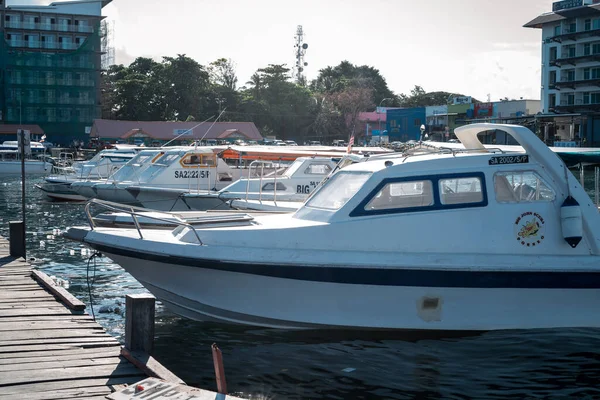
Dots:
{"x": 504, "y": 190}
{"x": 462, "y": 198}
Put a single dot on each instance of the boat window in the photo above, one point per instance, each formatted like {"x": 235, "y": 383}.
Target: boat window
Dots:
{"x": 460, "y": 190}
{"x": 318, "y": 169}
{"x": 338, "y": 190}
{"x": 408, "y": 194}
{"x": 271, "y": 186}
{"x": 167, "y": 159}
{"x": 199, "y": 159}
{"x": 521, "y": 186}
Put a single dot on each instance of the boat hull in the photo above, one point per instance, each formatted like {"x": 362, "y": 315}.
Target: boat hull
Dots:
{"x": 217, "y": 294}
{"x": 31, "y": 168}
{"x": 60, "y": 191}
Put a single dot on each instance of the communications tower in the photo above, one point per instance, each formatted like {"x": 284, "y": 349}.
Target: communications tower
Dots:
{"x": 300, "y": 50}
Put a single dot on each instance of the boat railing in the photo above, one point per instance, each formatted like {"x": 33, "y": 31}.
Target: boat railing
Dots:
{"x": 135, "y": 213}
{"x": 262, "y": 163}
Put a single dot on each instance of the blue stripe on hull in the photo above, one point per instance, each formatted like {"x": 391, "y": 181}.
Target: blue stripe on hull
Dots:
{"x": 383, "y": 277}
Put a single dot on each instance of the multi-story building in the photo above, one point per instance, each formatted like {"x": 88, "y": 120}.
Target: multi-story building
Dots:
{"x": 50, "y": 64}
{"x": 571, "y": 69}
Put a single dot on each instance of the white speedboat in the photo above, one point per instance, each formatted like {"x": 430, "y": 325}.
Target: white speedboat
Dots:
{"x": 157, "y": 181}
{"x": 472, "y": 239}
{"x": 101, "y": 166}
{"x": 10, "y": 164}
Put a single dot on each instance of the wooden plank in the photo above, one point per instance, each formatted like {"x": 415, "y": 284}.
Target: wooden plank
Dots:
{"x": 39, "y": 334}
{"x": 66, "y": 354}
{"x": 59, "y": 364}
{"x": 71, "y": 317}
{"x": 58, "y": 385}
{"x": 54, "y": 347}
{"x": 70, "y": 301}
{"x": 45, "y": 375}
{"x": 81, "y": 362}
{"x": 60, "y": 394}
{"x": 150, "y": 366}
{"x": 69, "y": 340}
{"x": 24, "y": 304}
{"x": 34, "y": 325}
{"x": 36, "y": 311}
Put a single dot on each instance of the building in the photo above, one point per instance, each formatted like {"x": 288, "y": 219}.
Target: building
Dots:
{"x": 404, "y": 124}
{"x": 571, "y": 71}
{"x": 437, "y": 122}
{"x": 50, "y": 64}
{"x": 160, "y": 132}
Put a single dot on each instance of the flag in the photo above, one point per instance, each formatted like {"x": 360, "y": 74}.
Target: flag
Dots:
{"x": 43, "y": 138}
{"x": 350, "y": 143}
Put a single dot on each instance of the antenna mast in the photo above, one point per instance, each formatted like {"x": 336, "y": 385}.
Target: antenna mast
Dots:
{"x": 300, "y": 49}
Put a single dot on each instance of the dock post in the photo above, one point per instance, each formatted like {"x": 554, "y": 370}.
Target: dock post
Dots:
{"x": 17, "y": 238}
{"x": 219, "y": 369}
{"x": 139, "y": 322}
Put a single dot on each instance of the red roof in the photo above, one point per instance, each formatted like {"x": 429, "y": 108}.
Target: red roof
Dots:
{"x": 6, "y": 129}
{"x": 112, "y": 129}
{"x": 371, "y": 117}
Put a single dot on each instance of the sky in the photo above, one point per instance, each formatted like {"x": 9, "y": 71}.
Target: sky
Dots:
{"x": 472, "y": 47}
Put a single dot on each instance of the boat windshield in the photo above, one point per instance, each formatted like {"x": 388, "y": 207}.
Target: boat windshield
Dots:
{"x": 338, "y": 190}
{"x": 291, "y": 170}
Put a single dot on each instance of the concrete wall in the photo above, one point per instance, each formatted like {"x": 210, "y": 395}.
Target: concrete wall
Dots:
{"x": 86, "y": 7}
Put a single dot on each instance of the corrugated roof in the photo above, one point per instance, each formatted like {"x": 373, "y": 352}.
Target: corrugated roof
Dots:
{"x": 112, "y": 129}
{"x": 6, "y": 129}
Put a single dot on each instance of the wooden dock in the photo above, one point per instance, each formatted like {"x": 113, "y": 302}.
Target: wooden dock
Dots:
{"x": 50, "y": 351}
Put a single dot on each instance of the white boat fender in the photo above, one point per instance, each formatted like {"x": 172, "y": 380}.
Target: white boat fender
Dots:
{"x": 571, "y": 221}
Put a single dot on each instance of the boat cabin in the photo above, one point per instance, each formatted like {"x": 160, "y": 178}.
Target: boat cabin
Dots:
{"x": 462, "y": 199}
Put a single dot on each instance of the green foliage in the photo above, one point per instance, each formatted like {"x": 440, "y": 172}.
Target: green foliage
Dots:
{"x": 179, "y": 88}
{"x": 418, "y": 97}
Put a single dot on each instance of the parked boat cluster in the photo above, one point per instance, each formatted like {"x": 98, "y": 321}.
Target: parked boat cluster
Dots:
{"x": 461, "y": 237}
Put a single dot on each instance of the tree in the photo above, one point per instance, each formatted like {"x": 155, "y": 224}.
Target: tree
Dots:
{"x": 222, "y": 73}
{"x": 420, "y": 98}
{"x": 346, "y": 75}
{"x": 350, "y": 103}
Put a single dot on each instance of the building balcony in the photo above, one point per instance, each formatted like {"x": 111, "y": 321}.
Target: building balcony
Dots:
{"x": 575, "y": 106}
{"x": 36, "y": 44}
{"x": 48, "y": 27}
{"x": 573, "y": 36}
{"x": 575, "y": 83}
{"x": 559, "y": 62}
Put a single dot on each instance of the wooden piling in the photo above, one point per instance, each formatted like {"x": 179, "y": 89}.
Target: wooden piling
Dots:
{"x": 139, "y": 322}
{"x": 17, "y": 238}
{"x": 219, "y": 369}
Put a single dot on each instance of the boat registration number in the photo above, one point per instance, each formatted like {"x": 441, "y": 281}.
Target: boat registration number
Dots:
{"x": 191, "y": 174}
{"x": 524, "y": 159}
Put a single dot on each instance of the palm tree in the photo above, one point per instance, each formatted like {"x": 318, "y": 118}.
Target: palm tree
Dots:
{"x": 256, "y": 83}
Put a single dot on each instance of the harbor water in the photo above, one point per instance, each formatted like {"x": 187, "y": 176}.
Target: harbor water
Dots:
{"x": 265, "y": 363}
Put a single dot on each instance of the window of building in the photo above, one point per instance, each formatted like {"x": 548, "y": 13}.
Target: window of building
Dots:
{"x": 36, "y": 19}
{"x": 553, "y": 53}
{"x": 460, "y": 190}
{"x": 76, "y": 22}
{"x": 587, "y": 49}
{"x": 586, "y": 97}
{"x": 586, "y": 73}
{"x": 572, "y": 27}
{"x": 397, "y": 195}
{"x": 587, "y": 25}
{"x": 8, "y": 36}
{"x": 595, "y": 98}
{"x": 520, "y": 187}
{"x": 595, "y": 73}
{"x": 552, "y": 77}
{"x": 417, "y": 121}
{"x": 570, "y": 75}
{"x": 596, "y": 23}
{"x": 570, "y": 99}
{"x": 551, "y": 100}
{"x": 557, "y": 30}
{"x": 596, "y": 48}
{"x": 572, "y": 51}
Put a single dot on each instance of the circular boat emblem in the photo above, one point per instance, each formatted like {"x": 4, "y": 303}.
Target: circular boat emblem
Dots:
{"x": 529, "y": 229}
